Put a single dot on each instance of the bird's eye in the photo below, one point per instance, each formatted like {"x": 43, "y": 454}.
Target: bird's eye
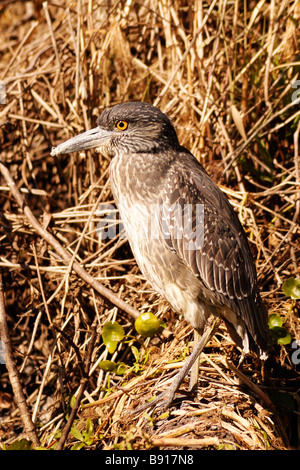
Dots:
{"x": 122, "y": 125}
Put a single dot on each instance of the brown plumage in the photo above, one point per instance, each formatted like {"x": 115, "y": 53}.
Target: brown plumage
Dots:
{"x": 203, "y": 265}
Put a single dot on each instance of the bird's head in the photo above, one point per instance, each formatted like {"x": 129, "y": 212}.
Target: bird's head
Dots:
{"x": 132, "y": 127}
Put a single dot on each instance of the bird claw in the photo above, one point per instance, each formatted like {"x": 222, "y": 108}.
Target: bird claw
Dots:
{"x": 162, "y": 402}
{"x": 165, "y": 398}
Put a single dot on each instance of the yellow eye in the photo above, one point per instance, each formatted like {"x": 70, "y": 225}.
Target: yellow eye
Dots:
{"x": 122, "y": 125}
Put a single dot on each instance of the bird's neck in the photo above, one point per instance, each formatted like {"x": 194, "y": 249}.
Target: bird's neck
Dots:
{"x": 138, "y": 174}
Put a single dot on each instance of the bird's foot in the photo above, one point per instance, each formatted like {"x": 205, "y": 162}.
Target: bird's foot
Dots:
{"x": 164, "y": 399}
{"x": 161, "y": 402}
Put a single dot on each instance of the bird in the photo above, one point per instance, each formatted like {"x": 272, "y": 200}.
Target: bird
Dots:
{"x": 185, "y": 235}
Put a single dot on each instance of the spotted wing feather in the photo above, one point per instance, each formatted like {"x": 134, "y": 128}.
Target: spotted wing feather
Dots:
{"x": 223, "y": 263}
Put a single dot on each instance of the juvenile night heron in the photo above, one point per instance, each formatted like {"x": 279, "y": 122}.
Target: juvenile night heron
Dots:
{"x": 184, "y": 234}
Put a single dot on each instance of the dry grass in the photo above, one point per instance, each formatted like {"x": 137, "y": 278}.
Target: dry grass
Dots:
{"x": 225, "y": 76}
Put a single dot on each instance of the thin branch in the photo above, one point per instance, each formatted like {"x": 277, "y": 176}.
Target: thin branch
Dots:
{"x": 14, "y": 375}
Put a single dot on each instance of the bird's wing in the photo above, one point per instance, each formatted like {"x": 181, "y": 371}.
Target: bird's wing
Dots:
{"x": 220, "y": 257}
{"x": 201, "y": 226}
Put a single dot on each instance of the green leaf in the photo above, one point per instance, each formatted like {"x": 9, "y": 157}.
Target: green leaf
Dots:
{"x": 112, "y": 334}
{"x": 89, "y": 427}
{"x": 121, "y": 368}
{"x": 136, "y": 353}
{"x": 110, "y": 366}
{"x": 275, "y": 320}
{"x": 77, "y": 434}
{"x": 72, "y": 401}
{"x": 291, "y": 288}
{"x": 264, "y": 153}
{"x": 147, "y": 324}
{"x": 21, "y": 444}
{"x": 286, "y": 338}
{"x": 78, "y": 446}
{"x": 107, "y": 366}
{"x": 281, "y": 335}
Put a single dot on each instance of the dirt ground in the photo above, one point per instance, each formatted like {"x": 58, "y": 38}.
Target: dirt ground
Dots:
{"x": 227, "y": 74}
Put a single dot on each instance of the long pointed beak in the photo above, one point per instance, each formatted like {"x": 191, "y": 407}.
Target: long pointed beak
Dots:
{"x": 90, "y": 139}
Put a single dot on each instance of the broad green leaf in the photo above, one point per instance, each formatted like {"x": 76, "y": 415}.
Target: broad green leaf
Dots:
{"x": 21, "y": 444}
{"x": 275, "y": 320}
{"x": 112, "y": 334}
{"x": 291, "y": 288}
{"x": 107, "y": 366}
{"x": 286, "y": 337}
{"x": 110, "y": 366}
{"x": 147, "y": 324}
{"x": 281, "y": 335}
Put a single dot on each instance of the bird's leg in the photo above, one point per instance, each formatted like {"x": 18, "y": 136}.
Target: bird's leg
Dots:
{"x": 164, "y": 399}
{"x": 194, "y": 374}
